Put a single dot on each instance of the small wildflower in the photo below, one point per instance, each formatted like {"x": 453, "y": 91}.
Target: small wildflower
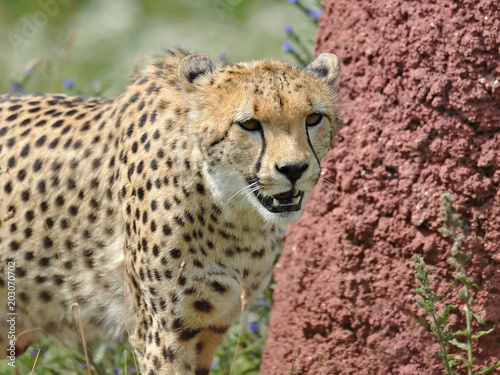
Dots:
{"x": 223, "y": 58}
{"x": 214, "y": 366}
{"x": 68, "y": 83}
{"x": 33, "y": 352}
{"x": 82, "y": 365}
{"x": 96, "y": 86}
{"x": 253, "y": 327}
{"x": 287, "y": 46}
{"x": 293, "y": 1}
{"x": 262, "y": 302}
{"x": 116, "y": 371}
{"x": 132, "y": 370}
{"x": 315, "y": 13}
{"x": 288, "y": 29}
{"x": 14, "y": 87}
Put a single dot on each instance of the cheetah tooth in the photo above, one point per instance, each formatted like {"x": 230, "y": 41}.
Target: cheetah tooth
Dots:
{"x": 276, "y": 203}
{"x": 296, "y": 200}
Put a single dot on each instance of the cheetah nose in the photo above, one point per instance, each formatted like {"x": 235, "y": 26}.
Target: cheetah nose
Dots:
{"x": 293, "y": 171}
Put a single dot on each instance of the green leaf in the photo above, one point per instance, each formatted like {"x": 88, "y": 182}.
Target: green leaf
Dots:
{"x": 444, "y": 231}
{"x": 478, "y": 318}
{"x": 456, "y": 357}
{"x": 484, "y": 371}
{"x": 461, "y": 333}
{"x": 459, "y": 344}
{"x": 445, "y": 314}
{"x": 482, "y": 333}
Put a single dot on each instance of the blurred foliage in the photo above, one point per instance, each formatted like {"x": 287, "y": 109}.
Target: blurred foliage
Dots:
{"x": 105, "y": 41}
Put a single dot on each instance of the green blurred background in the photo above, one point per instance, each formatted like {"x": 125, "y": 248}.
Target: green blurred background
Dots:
{"x": 102, "y": 42}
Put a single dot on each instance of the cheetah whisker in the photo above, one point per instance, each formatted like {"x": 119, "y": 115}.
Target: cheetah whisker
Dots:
{"x": 254, "y": 186}
{"x": 235, "y": 194}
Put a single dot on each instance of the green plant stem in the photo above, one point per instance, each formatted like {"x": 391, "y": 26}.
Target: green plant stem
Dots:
{"x": 468, "y": 317}
{"x": 440, "y": 336}
{"x": 299, "y": 58}
{"x": 302, "y": 46}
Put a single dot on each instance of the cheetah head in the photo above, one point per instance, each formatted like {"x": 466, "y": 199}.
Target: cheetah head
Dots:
{"x": 263, "y": 128}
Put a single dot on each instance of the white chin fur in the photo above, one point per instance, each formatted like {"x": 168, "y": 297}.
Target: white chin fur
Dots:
{"x": 277, "y": 218}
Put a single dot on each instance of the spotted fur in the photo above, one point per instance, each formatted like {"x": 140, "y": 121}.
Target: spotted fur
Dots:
{"x": 160, "y": 208}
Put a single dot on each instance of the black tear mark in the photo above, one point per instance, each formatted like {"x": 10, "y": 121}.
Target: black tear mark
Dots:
{"x": 262, "y": 151}
{"x": 312, "y": 148}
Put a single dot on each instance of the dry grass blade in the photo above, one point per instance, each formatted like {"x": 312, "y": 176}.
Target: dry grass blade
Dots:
{"x": 34, "y": 363}
{"x": 320, "y": 358}
{"x": 64, "y": 53}
{"x": 244, "y": 305}
{"x": 295, "y": 355}
{"x": 76, "y": 307}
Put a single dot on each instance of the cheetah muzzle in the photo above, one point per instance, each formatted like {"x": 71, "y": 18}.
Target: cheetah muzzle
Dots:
{"x": 157, "y": 212}
{"x": 288, "y": 201}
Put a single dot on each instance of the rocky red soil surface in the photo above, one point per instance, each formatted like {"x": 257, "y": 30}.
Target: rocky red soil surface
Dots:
{"x": 420, "y": 105}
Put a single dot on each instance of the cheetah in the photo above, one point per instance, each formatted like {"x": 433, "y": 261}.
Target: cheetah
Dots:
{"x": 157, "y": 212}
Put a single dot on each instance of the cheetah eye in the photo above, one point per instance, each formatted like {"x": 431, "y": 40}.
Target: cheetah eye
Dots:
{"x": 314, "y": 119}
{"x": 250, "y": 125}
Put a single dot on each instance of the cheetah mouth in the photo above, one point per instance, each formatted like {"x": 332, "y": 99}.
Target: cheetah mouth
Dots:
{"x": 288, "y": 201}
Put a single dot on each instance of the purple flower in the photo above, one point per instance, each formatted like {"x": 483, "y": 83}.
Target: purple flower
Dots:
{"x": 14, "y": 87}
{"x": 214, "y": 366}
{"x": 132, "y": 370}
{"x": 116, "y": 371}
{"x": 253, "y": 327}
{"x": 82, "y": 365}
{"x": 315, "y": 13}
{"x": 33, "y": 352}
{"x": 293, "y": 1}
{"x": 223, "y": 58}
{"x": 287, "y": 46}
{"x": 96, "y": 85}
{"x": 68, "y": 83}
{"x": 288, "y": 29}
{"x": 262, "y": 302}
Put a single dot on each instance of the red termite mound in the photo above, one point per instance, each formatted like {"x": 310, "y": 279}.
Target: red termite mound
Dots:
{"x": 420, "y": 105}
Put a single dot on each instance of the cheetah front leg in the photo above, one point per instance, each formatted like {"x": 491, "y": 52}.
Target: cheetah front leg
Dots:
{"x": 206, "y": 347}
{"x": 160, "y": 352}
{"x": 165, "y": 353}
{"x": 178, "y": 332}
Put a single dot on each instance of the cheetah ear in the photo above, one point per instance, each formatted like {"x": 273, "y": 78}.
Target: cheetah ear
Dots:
{"x": 326, "y": 67}
{"x": 193, "y": 67}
